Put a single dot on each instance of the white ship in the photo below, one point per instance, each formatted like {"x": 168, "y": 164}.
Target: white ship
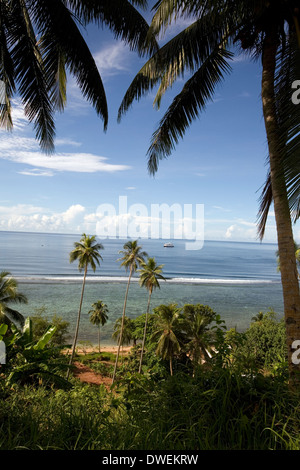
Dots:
{"x": 168, "y": 245}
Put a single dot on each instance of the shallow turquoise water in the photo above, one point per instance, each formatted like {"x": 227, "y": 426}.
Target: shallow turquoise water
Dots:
{"x": 237, "y": 280}
{"x": 236, "y": 304}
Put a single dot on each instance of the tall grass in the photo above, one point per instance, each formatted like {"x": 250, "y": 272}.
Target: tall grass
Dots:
{"x": 212, "y": 411}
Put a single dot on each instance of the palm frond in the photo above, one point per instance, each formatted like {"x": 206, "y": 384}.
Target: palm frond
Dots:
{"x": 6, "y": 69}
{"x": 60, "y": 32}
{"x": 29, "y": 73}
{"x": 183, "y": 53}
{"x": 266, "y": 199}
{"x": 288, "y": 117}
{"x": 122, "y": 18}
{"x": 186, "y": 106}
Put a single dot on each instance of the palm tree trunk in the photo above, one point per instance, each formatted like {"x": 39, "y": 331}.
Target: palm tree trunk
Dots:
{"x": 288, "y": 268}
{"x": 78, "y": 321}
{"x": 99, "y": 339}
{"x": 122, "y": 326}
{"x": 145, "y": 330}
{"x": 171, "y": 366}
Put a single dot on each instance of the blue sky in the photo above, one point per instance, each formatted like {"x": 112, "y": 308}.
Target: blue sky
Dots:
{"x": 220, "y": 164}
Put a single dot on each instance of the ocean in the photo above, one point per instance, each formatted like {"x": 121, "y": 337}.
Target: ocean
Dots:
{"x": 236, "y": 279}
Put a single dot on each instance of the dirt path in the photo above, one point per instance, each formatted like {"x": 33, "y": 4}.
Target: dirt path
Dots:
{"x": 87, "y": 375}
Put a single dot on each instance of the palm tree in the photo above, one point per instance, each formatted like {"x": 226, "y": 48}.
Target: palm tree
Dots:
{"x": 125, "y": 326}
{"x": 41, "y": 41}
{"x": 150, "y": 274}
{"x": 132, "y": 257}
{"x": 166, "y": 332}
{"x": 197, "y": 319}
{"x": 9, "y": 294}
{"x": 269, "y": 30}
{"x": 258, "y": 318}
{"x": 86, "y": 252}
{"x": 99, "y": 316}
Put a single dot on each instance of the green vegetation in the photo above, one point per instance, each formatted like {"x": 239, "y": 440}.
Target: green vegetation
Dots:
{"x": 187, "y": 382}
{"x": 201, "y": 387}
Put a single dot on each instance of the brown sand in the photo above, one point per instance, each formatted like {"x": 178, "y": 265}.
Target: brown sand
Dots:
{"x": 87, "y": 375}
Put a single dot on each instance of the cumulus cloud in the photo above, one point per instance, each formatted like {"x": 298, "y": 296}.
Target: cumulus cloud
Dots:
{"x": 25, "y": 151}
{"x": 27, "y": 217}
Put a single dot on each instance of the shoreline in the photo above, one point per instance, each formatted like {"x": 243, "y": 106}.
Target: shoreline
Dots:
{"x": 123, "y": 280}
{"x": 81, "y": 349}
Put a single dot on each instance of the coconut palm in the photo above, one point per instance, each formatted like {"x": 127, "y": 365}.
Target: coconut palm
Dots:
{"x": 266, "y": 30}
{"x": 86, "y": 252}
{"x": 41, "y": 41}
{"x": 150, "y": 274}
{"x": 99, "y": 316}
{"x": 258, "y": 318}
{"x": 126, "y": 326}
{"x": 9, "y": 294}
{"x": 132, "y": 257}
{"x": 198, "y": 337}
{"x": 167, "y": 325}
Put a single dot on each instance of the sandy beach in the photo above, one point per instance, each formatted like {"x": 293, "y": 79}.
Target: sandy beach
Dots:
{"x": 81, "y": 349}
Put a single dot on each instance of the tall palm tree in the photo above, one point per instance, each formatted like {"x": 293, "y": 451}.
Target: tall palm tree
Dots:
{"x": 41, "y": 41}
{"x": 268, "y": 30}
{"x": 132, "y": 257}
{"x": 197, "y": 332}
{"x": 167, "y": 324}
{"x": 9, "y": 294}
{"x": 150, "y": 274}
{"x": 86, "y": 252}
{"x": 99, "y": 316}
{"x": 125, "y": 326}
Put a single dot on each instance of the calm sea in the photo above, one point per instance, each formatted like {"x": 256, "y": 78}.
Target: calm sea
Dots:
{"x": 237, "y": 280}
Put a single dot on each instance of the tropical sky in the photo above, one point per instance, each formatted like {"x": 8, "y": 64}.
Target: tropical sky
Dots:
{"x": 220, "y": 165}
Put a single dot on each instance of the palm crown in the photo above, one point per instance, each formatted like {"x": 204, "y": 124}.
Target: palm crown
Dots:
{"x": 133, "y": 255}
{"x": 41, "y": 40}
{"x": 150, "y": 274}
{"x": 87, "y": 252}
{"x": 9, "y": 294}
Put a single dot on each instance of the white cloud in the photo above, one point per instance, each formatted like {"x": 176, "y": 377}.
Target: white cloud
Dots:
{"x": 27, "y": 217}
{"x": 25, "y": 151}
{"x": 229, "y": 231}
{"x": 113, "y": 59}
{"x": 222, "y": 209}
{"x": 36, "y": 172}
{"x": 75, "y": 162}
{"x": 74, "y": 211}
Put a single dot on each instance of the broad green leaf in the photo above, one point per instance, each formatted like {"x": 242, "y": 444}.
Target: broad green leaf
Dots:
{"x": 44, "y": 340}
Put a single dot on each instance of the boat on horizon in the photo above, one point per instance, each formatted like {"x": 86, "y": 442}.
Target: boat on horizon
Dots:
{"x": 168, "y": 245}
